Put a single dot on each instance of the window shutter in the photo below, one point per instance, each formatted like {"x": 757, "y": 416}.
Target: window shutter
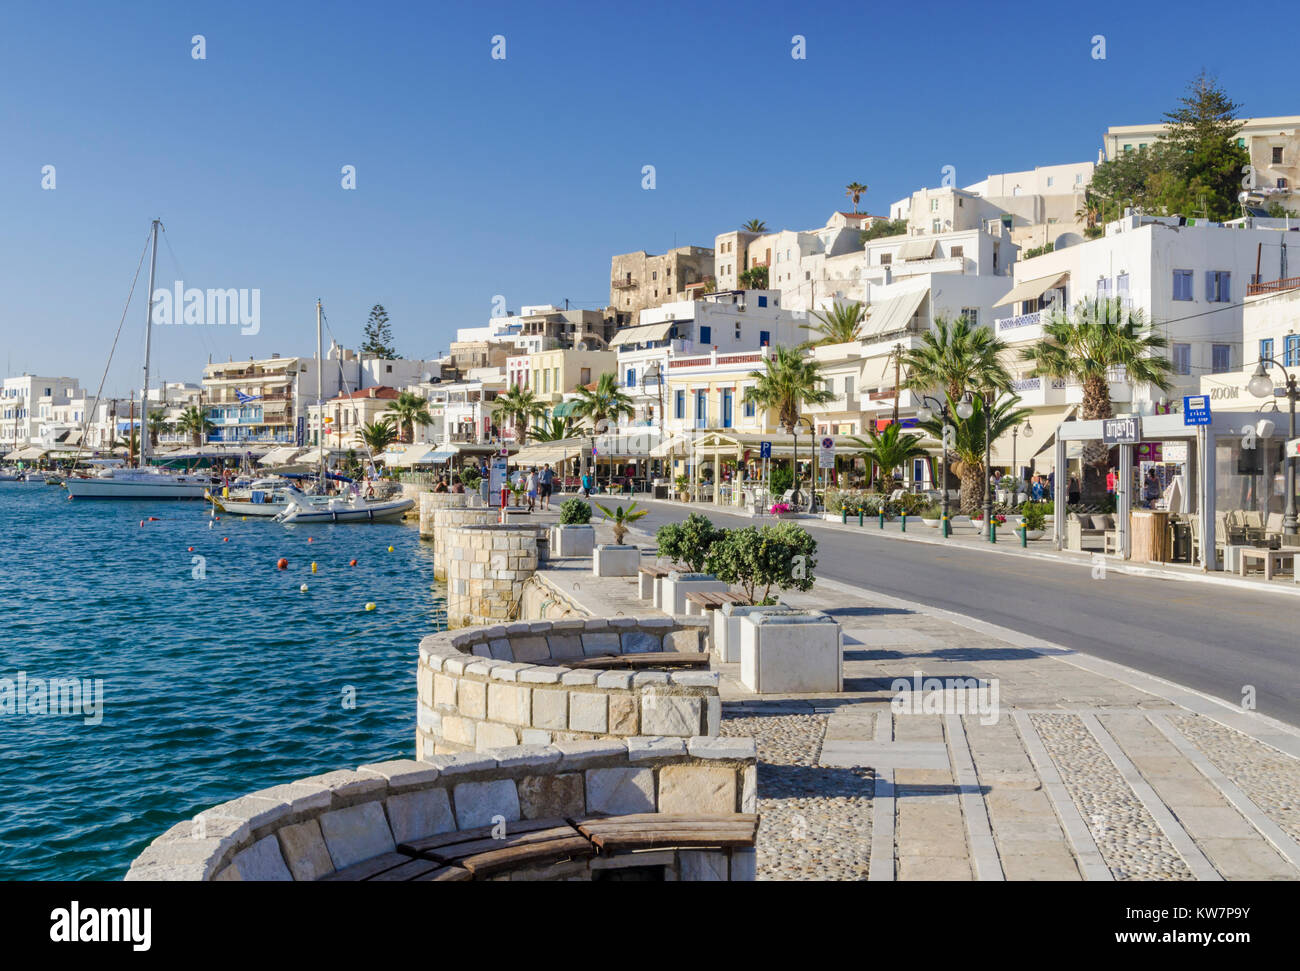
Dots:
{"x": 1225, "y": 287}
{"x": 1209, "y": 286}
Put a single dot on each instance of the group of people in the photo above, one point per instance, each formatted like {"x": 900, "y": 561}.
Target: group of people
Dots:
{"x": 538, "y": 485}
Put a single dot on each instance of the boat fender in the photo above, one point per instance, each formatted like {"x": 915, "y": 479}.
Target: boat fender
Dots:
{"x": 313, "y": 566}
{"x": 303, "y": 588}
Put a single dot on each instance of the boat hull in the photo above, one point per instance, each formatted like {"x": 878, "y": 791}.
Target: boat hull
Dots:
{"x": 119, "y": 489}
{"x": 386, "y": 512}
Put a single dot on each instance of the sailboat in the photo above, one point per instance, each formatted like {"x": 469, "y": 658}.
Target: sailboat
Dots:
{"x": 145, "y": 482}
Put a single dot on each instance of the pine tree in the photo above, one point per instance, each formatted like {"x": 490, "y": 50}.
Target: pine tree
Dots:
{"x": 378, "y": 335}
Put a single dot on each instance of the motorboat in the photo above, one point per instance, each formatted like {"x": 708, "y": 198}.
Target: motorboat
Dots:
{"x": 354, "y": 508}
{"x": 142, "y": 483}
{"x": 264, "y": 497}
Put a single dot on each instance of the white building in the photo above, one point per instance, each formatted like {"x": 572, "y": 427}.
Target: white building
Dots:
{"x": 29, "y": 400}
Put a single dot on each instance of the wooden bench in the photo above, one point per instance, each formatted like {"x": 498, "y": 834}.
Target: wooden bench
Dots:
{"x": 476, "y": 854}
{"x": 648, "y": 580}
{"x": 712, "y": 601}
{"x": 651, "y": 659}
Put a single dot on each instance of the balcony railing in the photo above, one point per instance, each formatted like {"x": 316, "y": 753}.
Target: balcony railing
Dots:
{"x": 1021, "y": 320}
{"x": 623, "y": 284}
{"x": 1273, "y": 286}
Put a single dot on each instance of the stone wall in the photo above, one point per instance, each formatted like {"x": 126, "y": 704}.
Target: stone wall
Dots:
{"x": 507, "y": 684}
{"x": 449, "y": 517}
{"x": 543, "y": 600}
{"x": 430, "y": 501}
{"x": 311, "y": 828}
{"x": 486, "y": 569}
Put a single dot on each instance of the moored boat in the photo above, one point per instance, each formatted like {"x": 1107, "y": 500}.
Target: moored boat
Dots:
{"x": 350, "y": 509}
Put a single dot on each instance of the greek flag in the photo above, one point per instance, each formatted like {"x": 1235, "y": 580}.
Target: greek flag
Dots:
{"x": 246, "y": 398}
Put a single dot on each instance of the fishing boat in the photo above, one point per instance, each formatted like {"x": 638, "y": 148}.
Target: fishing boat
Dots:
{"x": 264, "y": 497}
{"x": 354, "y": 508}
{"x": 145, "y": 482}
{"x": 20, "y": 477}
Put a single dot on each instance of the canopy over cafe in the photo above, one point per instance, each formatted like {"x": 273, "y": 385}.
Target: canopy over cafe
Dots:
{"x": 1220, "y": 472}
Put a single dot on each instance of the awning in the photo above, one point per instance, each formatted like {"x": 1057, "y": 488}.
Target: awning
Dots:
{"x": 1066, "y": 415}
{"x": 641, "y": 334}
{"x": 565, "y": 409}
{"x": 674, "y": 443}
{"x": 28, "y": 453}
{"x": 1032, "y": 289}
{"x": 279, "y": 456}
{"x": 543, "y": 453}
{"x": 310, "y": 456}
{"x": 916, "y": 249}
{"x": 893, "y": 314}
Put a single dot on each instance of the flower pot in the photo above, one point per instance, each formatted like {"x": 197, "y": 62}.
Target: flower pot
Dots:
{"x": 932, "y": 523}
{"x": 1035, "y": 534}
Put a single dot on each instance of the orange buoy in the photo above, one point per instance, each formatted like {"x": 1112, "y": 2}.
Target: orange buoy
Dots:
{"x": 310, "y": 540}
{"x": 154, "y": 519}
{"x": 352, "y": 562}
{"x": 142, "y": 524}
{"x": 225, "y": 539}
{"x": 282, "y": 564}
{"x": 190, "y": 549}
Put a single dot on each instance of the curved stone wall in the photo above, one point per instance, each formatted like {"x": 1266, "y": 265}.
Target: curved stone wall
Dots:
{"x": 431, "y": 501}
{"x": 507, "y": 684}
{"x": 446, "y": 518}
{"x": 312, "y": 828}
{"x": 486, "y": 569}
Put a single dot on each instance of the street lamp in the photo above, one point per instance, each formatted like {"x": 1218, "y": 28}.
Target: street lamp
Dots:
{"x": 1261, "y": 386}
{"x": 796, "y": 499}
{"x": 1015, "y": 467}
{"x": 924, "y": 414}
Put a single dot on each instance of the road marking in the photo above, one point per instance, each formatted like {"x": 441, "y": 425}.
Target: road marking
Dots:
{"x": 983, "y": 850}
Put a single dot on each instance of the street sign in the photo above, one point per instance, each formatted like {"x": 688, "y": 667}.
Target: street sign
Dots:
{"x": 765, "y": 450}
{"x": 497, "y": 480}
{"x": 1292, "y": 450}
{"x": 826, "y": 454}
{"x": 1196, "y": 409}
{"x": 1121, "y": 431}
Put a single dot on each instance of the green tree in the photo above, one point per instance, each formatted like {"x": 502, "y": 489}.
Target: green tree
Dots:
{"x": 787, "y": 382}
{"x": 604, "y": 403}
{"x": 689, "y": 541}
{"x": 158, "y": 425}
{"x": 854, "y": 191}
{"x": 621, "y": 517}
{"x": 554, "y": 429}
{"x": 408, "y": 411}
{"x": 842, "y": 324}
{"x": 890, "y": 449}
{"x": 968, "y": 440}
{"x": 378, "y": 435}
{"x": 754, "y": 226}
{"x": 958, "y": 358}
{"x": 377, "y": 337}
{"x": 881, "y": 228}
{"x": 518, "y": 407}
{"x": 781, "y": 556}
{"x": 755, "y": 278}
{"x": 194, "y": 422}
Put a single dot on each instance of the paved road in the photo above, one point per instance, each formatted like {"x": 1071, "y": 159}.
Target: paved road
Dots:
{"x": 1208, "y": 637}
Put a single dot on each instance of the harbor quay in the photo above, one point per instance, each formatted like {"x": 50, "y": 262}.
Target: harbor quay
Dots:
{"x": 591, "y": 735}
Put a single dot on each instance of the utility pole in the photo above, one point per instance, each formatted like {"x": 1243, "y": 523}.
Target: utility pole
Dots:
{"x": 898, "y": 362}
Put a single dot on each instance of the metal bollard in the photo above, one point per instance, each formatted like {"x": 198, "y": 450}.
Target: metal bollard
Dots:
{"x": 882, "y": 518}
{"x": 844, "y": 517}
{"x": 903, "y": 520}
{"x": 947, "y": 528}
{"x": 993, "y": 530}
{"x": 860, "y": 512}
{"x": 1024, "y": 537}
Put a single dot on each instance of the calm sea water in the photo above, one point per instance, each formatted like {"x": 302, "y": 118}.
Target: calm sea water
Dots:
{"x": 213, "y": 687}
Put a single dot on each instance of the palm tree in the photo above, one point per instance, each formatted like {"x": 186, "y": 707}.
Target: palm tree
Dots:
{"x": 968, "y": 440}
{"x": 606, "y": 402}
{"x": 518, "y": 406}
{"x": 842, "y": 324}
{"x": 787, "y": 383}
{"x": 194, "y": 423}
{"x": 958, "y": 358}
{"x": 158, "y": 425}
{"x": 1087, "y": 345}
{"x": 1090, "y": 212}
{"x": 554, "y": 429}
{"x": 131, "y": 443}
{"x": 378, "y": 435}
{"x": 620, "y": 518}
{"x": 409, "y": 410}
{"x": 754, "y": 226}
{"x": 854, "y": 191}
{"x": 890, "y": 448}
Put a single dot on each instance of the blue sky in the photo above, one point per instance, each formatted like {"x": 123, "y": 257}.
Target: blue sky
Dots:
{"x": 519, "y": 177}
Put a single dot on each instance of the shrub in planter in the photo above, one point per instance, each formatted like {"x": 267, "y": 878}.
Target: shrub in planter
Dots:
{"x": 622, "y": 517}
{"x": 470, "y": 479}
{"x": 780, "y": 479}
{"x": 761, "y": 560}
{"x": 575, "y": 512}
{"x": 779, "y": 508}
{"x": 931, "y": 511}
{"x": 688, "y": 542}
{"x": 1033, "y": 516}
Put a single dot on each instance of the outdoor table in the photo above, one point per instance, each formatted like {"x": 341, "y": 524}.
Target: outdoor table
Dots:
{"x": 1273, "y": 560}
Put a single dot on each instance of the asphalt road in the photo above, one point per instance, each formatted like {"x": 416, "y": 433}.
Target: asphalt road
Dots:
{"x": 1212, "y": 638}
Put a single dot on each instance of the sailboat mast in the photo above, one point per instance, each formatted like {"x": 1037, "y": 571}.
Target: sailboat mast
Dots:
{"x": 320, "y": 402}
{"x": 148, "y": 332}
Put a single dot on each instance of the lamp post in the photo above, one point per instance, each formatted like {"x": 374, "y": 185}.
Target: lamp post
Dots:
{"x": 924, "y": 414}
{"x": 1261, "y": 386}
{"x": 1015, "y": 466}
{"x": 797, "y": 498}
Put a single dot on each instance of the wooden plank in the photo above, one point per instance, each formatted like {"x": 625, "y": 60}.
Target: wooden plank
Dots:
{"x": 410, "y": 870}
{"x": 428, "y": 843}
{"x": 368, "y": 869}
{"x": 636, "y": 818}
{"x": 528, "y": 854}
{"x": 641, "y": 840}
{"x": 445, "y": 874}
{"x": 654, "y": 571}
{"x": 690, "y": 659}
{"x": 450, "y": 854}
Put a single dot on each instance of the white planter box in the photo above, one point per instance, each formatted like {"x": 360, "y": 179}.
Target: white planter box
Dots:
{"x": 615, "y": 561}
{"x": 517, "y": 514}
{"x": 726, "y": 630}
{"x": 646, "y": 587}
{"x": 785, "y": 650}
{"x": 675, "y": 587}
{"x": 572, "y": 540}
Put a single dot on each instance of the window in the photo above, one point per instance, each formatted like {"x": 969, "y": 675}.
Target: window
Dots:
{"x": 886, "y": 259}
{"x": 679, "y": 405}
{"x": 935, "y": 226}
{"x": 1128, "y": 148}
{"x": 584, "y": 376}
{"x": 1292, "y": 358}
{"x": 848, "y": 385}
{"x": 654, "y": 274}
{"x": 1241, "y": 143}
{"x": 972, "y": 315}
{"x": 749, "y": 409}
{"x": 1121, "y": 285}
{"x": 1182, "y": 358}
{"x": 1277, "y": 154}
{"x": 934, "y": 205}
{"x": 1221, "y": 358}
{"x": 764, "y": 338}
{"x": 1218, "y": 286}
{"x": 762, "y": 301}
{"x": 706, "y": 335}
{"x": 726, "y": 407}
{"x": 701, "y": 409}
{"x": 957, "y": 252}
{"x": 1051, "y": 181}
{"x": 1103, "y": 288}
{"x": 1266, "y": 351}
{"x": 1282, "y": 183}
{"x": 1182, "y": 284}
{"x": 1078, "y": 178}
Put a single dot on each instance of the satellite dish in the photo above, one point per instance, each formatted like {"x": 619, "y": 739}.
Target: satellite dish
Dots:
{"x": 1067, "y": 239}
{"x": 428, "y": 376}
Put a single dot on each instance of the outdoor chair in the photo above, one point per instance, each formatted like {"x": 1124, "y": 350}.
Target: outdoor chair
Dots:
{"x": 1082, "y": 532}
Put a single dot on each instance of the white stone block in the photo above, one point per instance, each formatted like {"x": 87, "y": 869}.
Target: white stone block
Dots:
{"x": 478, "y": 802}
{"x": 786, "y": 651}
{"x": 620, "y": 791}
{"x": 356, "y": 833}
{"x": 414, "y": 815}
{"x": 677, "y": 585}
{"x": 261, "y": 861}
{"x": 702, "y": 864}
{"x": 615, "y": 561}
{"x": 572, "y": 540}
{"x": 726, "y": 630}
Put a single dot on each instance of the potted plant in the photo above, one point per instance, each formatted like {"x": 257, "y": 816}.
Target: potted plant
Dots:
{"x": 574, "y": 535}
{"x": 689, "y": 541}
{"x": 621, "y": 517}
{"x": 683, "y": 488}
{"x": 617, "y": 559}
{"x": 781, "y": 510}
{"x": 932, "y": 514}
{"x": 1034, "y": 520}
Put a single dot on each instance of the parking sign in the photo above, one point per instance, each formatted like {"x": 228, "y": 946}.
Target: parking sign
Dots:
{"x": 765, "y": 450}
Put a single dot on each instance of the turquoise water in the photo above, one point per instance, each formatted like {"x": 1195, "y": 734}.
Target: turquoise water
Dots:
{"x": 213, "y": 687}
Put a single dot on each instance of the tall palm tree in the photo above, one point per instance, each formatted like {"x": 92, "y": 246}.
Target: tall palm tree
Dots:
{"x": 518, "y": 406}
{"x": 378, "y": 435}
{"x": 194, "y": 422}
{"x": 409, "y": 410}
{"x": 958, "y": 358}
{"x": 755, "y": 226}
{"x": 603, "y": 403}
{"x": 787, "y": 382}
{"x": 554, "y": 429}
{"x": 890, "y": 449}
{"x": 968, "y": 440}
{"x": 158, "y": 425}
{"x": 854, "y": 191}
{"x": 842, "y": 324}
{"x": 1087, "y": 344}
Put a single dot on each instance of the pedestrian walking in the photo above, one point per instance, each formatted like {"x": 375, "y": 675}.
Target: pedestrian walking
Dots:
{"x": 1074, "y": 490}
{"x": 544, "y": 481}
{"x": 531, "y": 485}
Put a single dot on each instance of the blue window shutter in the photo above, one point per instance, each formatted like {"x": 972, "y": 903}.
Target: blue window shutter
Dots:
{"x": 1225, "y": 287}
{"x": 1209, "y": 286}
